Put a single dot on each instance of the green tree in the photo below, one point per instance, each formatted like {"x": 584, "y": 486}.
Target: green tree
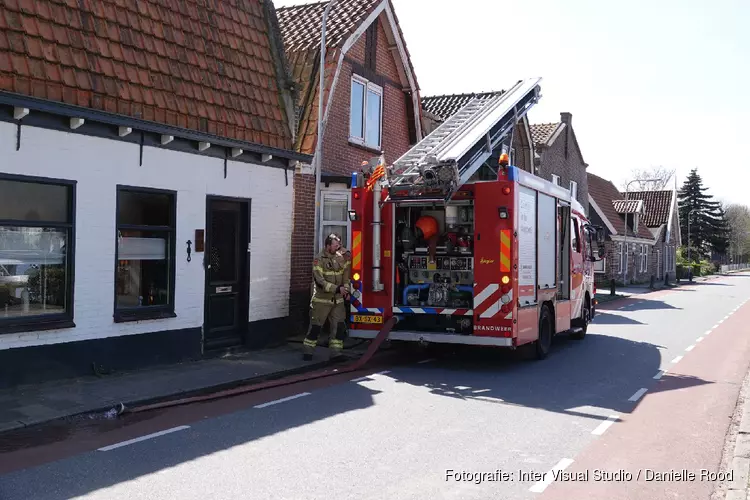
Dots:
{"x": 709, "y": 230}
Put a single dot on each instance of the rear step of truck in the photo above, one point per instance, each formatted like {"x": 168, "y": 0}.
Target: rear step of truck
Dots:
{"x": 437, "y": 166}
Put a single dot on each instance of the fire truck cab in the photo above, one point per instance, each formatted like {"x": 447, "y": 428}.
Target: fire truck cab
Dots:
{"x": 464, "y": 248}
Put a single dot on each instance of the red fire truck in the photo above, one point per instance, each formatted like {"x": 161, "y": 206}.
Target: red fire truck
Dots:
{"x": 465, "y": 248}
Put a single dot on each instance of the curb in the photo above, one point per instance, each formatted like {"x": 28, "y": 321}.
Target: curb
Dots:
{"x": 100, "y": 411}
{"x": 737, "y": 489}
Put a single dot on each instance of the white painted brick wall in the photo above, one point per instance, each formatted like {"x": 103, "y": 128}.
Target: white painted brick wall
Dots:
{"x": 99, "y": 165}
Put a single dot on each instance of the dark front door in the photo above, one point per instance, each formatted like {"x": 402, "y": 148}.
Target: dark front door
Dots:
{"x": 227, "y": 272}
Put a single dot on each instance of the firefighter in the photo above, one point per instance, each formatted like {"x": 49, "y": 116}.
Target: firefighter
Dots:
{"x": 331, "y": 270}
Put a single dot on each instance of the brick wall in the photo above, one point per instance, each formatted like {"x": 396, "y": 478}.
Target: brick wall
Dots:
{"x": 98, "y": 165}
{"x": 342, "y": 157}
{"x": 563, "y": 158}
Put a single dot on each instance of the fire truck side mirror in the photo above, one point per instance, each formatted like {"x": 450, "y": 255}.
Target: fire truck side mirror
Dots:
{"x": 601, "y": 253}
{"x": 600, "y": 235}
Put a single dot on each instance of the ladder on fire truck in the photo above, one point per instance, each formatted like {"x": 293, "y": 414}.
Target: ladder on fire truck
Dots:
{"x": 436, "y": 167}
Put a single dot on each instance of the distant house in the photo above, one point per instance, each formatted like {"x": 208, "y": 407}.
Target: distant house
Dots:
{"x": 622, "y": 220}
{"x": 558, "y": 157}
{"x": 438, "y": 108}
{"x": 374, "y": 110}
{"x": 144, "y": 147}
{"x": 661, "y": 216}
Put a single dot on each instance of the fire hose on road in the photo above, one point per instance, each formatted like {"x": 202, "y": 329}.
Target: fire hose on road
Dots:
{"x": 293, "y": 379}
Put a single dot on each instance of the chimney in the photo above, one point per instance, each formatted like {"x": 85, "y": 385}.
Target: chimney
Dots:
{"x": 566, "y": 118}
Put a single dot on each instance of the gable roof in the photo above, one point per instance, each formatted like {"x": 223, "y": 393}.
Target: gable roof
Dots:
{"x": 300, "y": 27}
{"x": 209, "y": 67}
{"x": 604, "y": 194}
{"x": 657, "y": 206}
{"x": 445, "y": 106}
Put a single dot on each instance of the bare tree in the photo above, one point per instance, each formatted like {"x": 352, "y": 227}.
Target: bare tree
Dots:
{"x": 665, "y": 176}
{"x": 738, "y": 218}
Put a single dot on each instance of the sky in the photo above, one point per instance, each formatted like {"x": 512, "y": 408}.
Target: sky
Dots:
{"x": 649, "y": 83}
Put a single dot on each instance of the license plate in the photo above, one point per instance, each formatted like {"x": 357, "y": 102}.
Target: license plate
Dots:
{"x": 373, "y": 320}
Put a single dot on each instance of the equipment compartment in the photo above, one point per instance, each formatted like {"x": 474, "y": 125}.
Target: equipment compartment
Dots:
{"x": 435, "y": 256}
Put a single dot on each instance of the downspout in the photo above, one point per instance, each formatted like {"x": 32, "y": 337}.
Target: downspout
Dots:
{"x": 319, "y": 147}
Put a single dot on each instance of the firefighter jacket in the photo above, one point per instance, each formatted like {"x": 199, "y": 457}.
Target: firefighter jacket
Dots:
{"x": 330, "y": 271}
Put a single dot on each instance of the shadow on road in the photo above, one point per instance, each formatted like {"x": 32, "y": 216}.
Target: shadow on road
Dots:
{"x": 646, "y": 304}
{"x": 601, "y": 371}
{"x": 606, "y": 318}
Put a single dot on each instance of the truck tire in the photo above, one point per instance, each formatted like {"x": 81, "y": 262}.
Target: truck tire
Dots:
{"x": 583, "y": 323}
{"x": 544, "y": 342}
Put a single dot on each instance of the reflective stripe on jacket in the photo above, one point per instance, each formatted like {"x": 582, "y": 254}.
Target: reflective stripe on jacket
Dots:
{"x": 330, "y": 271}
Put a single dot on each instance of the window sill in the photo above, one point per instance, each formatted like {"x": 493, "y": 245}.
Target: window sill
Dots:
{"x": 35, "y": 326}
{"x": 363, "y": 147}
{"x": 130, "y": 316}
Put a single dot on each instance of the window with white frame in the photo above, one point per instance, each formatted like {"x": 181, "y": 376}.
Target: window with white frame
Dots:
{"x": 366, "y": 113}
{"x": 334, "y": 216}
{"x": 555, "y": 179}
{"x": 600, "y": 266}
{"x": 574, "y": 189}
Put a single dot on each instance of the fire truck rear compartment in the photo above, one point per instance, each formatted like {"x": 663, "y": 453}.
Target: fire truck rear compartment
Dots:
{"x": 435, "y": 276}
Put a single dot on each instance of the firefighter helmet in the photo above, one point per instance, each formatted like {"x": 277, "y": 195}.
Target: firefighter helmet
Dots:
{"x": 427, "y": 227}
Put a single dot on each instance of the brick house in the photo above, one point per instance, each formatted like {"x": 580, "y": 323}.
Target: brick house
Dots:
{"x": 438, "y": 108}
{"x": 374, "y": 109}
{"x": 144, "y": 148}
{"x": 558, "y": 157}
{"x": 622, "y": 220}
{"x": 661, "y": 216}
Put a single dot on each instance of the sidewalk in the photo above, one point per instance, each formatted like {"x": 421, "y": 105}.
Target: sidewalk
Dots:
{"x": 623, "y": 292}
{"x": 738, "y": 455}
{"x": 29, "y": 405}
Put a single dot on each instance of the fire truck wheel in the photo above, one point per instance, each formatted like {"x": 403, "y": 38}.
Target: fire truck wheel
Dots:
{"x": 583, "y": 324}
{"x": 544, "y": 342}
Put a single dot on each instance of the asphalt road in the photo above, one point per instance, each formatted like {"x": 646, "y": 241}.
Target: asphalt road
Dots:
{"x": 396, "y": 434}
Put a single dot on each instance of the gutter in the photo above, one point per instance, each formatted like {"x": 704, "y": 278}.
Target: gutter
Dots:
{"x": 95, "y": 115}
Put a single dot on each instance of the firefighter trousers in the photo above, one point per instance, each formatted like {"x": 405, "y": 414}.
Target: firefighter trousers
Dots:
{"x": 336, "y": 315}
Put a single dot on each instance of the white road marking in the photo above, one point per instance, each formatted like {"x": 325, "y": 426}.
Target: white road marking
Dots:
{"x": 716, "y": 326}
{"x": 677, "y": 359}
{"x": 708, "y": 332}
{"x": 426, "y": 361}
{"x": 282, "y": 400}
{"x": 720, "y": 322}
{"x": 604, "y": 425}
{"x": 540, "y": 486}
{"x": 699, "y": 339}
{"x": 360, "y": 379}
{"x": 479, "y": 391}
{"x": 383, "y": 372}
{"x": 660, "y": 374}
{"x": 640, "y": 392}
{"x": 621, "y": 308}
{"x": 690, "y": 348}
{"x": 144, "y": 438}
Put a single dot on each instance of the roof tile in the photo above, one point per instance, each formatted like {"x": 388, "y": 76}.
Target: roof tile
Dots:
{"x": 657, "y": 206}
{"x": 445, "y": 106}
{"x": 5, "y": 64}
{"x": 627, "y": 206}
{"x": 132, "y": 57}
{"x": 541, "y": 133}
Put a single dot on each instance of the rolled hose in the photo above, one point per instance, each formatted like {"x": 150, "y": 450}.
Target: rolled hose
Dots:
{"x": 293, "y": 379}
